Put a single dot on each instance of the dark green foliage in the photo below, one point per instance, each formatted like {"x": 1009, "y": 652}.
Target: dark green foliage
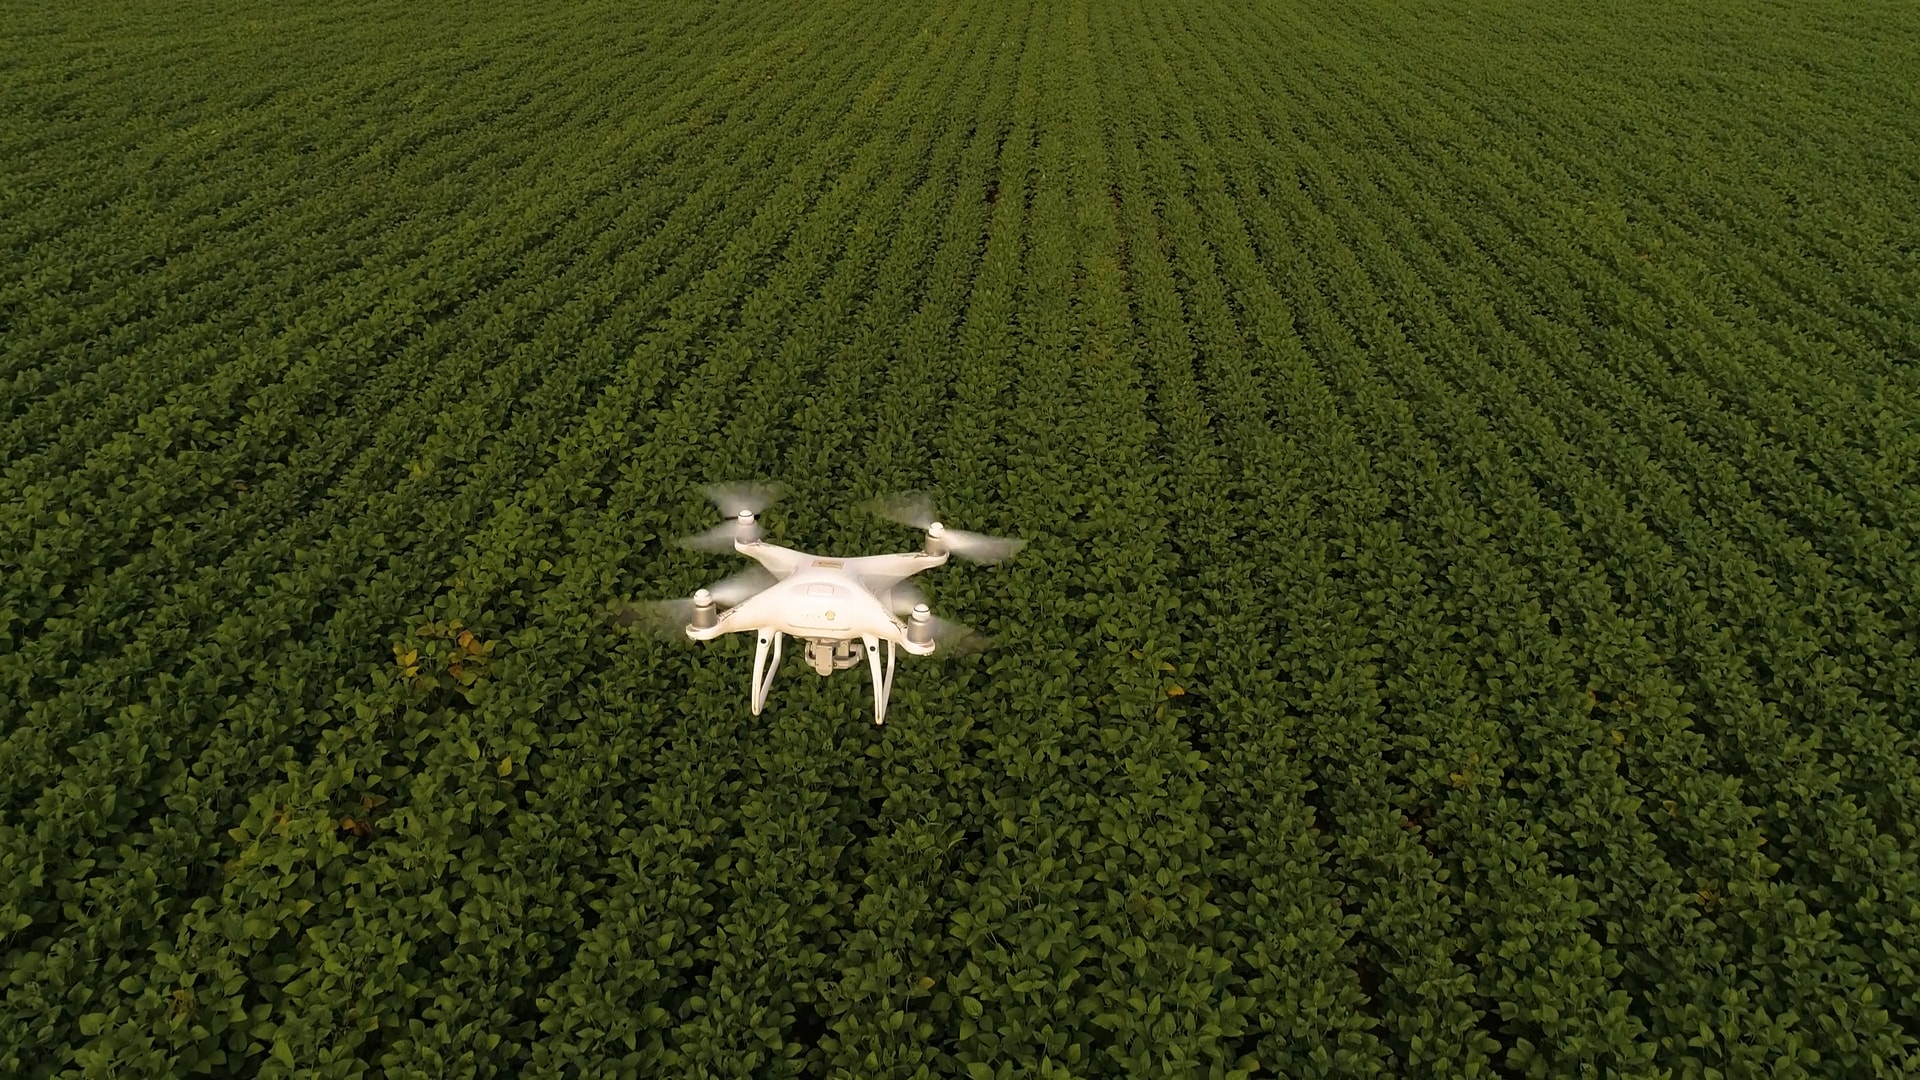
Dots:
{"x": 1470, "y": 452}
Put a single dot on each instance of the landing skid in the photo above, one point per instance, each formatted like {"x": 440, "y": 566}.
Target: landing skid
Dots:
{"x": 826, "y": 656}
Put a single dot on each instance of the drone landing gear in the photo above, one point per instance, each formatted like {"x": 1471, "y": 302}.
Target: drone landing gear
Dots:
{"x": 826, "y": 657}
{"x": 766, "y": 661}
{"x": 882, "y": 688}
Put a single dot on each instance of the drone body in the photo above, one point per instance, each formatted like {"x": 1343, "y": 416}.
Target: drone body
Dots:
{"x": 842, "y": 609}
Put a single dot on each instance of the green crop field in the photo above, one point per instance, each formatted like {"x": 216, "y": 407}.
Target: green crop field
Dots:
{"x": 1469, "y": 452}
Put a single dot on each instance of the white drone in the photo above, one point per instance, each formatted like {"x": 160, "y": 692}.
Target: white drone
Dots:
{"x": 839, "y": 607}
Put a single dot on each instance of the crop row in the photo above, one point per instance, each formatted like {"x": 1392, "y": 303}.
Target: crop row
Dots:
{"x": 1468, "y": 623}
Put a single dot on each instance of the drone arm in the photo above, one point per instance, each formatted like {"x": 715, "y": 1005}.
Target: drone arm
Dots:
{"x": 880, "y": 572}
{"x": 778, "y": 560}
{"x": 750, "y": 614}
{"x": 732, "y": 621}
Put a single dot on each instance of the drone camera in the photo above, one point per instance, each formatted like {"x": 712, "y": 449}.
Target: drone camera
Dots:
{"x": 826, "y": 655}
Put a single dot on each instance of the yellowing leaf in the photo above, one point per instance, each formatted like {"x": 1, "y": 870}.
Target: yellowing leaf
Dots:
{"x": 506, "y": 766}
{"x": 1176, "y": 691}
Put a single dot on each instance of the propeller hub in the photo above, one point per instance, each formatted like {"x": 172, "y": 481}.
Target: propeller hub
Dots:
{"x": 920, "y": 626}
{"x": 705, "y": 616}
{"x": 935, "y": 530}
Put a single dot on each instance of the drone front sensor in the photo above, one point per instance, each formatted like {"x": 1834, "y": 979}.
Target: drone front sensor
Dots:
{"x": 841, "y": 608}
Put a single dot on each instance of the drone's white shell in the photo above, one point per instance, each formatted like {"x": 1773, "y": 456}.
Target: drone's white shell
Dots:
{"x": 821, "y": 599}
{"x": 829, "y": 601}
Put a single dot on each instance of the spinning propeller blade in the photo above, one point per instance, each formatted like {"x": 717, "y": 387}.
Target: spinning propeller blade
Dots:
{"x": 669, "y": 618}
{"x": 739, "y": 588}
{"x": 949, "y": 637}
{"x": 718, "y": 539}
{"x": 915, "y": 510}
{"x": 656, "y": 618}
{"x": 741, "y": 498}
{"x": 733, "y": 501}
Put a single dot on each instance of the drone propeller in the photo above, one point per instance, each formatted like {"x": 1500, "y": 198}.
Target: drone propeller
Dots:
{"x": 736, "y": 499}
{"x": 916, "y": 511}
{"x": 738, "y": 503}
{"x": 948, "y": 636}
{"x": 669, "y": 618}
